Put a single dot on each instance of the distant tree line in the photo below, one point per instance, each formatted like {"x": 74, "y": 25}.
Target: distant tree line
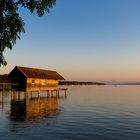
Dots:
{"x": 79, "y": 83}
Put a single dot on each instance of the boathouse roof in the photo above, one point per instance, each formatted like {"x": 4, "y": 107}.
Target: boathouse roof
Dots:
{"x": 39, "y": 73}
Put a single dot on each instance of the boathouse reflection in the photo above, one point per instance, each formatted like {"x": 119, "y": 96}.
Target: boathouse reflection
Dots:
{"x": 28, "y": 109}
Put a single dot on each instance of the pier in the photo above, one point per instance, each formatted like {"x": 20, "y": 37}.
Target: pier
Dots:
{"x": 34, "y": 104}
{"x": 17, "y": 95}
{"x": 7, "y": 86}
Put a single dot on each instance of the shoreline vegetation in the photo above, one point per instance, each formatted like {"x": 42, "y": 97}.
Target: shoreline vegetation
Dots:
{"x": 69, "y": 83}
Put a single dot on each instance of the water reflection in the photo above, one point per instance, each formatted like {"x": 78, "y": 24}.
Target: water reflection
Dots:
{"x": 27, "y": 109}
{"x": 1, "y": 99}
{"x": 90, "y": 112}
{"x": 4, "y": 98}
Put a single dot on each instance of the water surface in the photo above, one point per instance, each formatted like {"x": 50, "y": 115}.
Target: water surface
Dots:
{"x": 88, "y": 112}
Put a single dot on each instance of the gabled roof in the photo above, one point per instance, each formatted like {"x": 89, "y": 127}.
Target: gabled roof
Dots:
{"x": 40, "y": 73}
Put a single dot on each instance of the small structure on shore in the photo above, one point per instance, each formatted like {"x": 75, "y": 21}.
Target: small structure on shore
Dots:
{"x": 33, "y": 79}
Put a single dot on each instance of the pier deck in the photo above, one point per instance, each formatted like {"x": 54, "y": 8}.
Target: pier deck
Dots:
{"x": 38, "y": 93}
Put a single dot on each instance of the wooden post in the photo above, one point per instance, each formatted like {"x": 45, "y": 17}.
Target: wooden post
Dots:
{"x": 26, "y": 95}
{"x": 31, "y": 95}
{"x": 27, "y": 98}
{"x": 58, "y": 92}
{"x": 14, "y": 95}
{"x": 38, "y": 94}
{"x": 49, "y": 93}
{"x": 18, "y": 95}
{"x": 11, "y": 95}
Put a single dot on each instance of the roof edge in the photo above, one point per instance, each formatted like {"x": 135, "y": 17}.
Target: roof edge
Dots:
{"x": 21, "y": 71}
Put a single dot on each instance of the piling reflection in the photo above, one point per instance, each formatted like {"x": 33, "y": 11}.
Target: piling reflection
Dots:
{"x": 27, "y": 109}
{"x": 1, "y": 99}
{"x": 23, "y": 106}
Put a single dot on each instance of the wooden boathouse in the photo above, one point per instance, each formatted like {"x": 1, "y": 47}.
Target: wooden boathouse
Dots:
{"x": 33, "y": 79}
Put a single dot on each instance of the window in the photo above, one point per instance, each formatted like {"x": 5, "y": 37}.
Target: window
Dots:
{"x": 33, "y": 82}
{"x": 43, "y": 82}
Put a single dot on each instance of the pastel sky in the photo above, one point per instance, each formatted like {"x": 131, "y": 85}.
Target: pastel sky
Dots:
{"x": 83, "y": 40}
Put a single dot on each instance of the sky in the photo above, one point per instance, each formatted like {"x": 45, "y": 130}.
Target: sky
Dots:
{"x": 91, "y": 40}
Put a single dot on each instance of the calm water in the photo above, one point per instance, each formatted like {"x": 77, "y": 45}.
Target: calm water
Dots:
{"x": 88, "y": 113}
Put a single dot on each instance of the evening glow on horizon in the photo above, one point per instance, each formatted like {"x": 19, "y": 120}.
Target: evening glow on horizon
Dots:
{"x": 82, "y": 40}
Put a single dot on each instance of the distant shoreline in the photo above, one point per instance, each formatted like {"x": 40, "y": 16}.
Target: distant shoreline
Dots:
{"x": 69, "y": 83}
{"x": 131, "y": 84}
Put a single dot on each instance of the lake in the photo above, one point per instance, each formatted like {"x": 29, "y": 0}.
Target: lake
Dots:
{"x": 87, "y": 113}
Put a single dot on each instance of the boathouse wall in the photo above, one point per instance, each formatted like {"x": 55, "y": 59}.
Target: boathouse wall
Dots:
{"x": 35, "y": 84}
{"x": 18, "y": 78}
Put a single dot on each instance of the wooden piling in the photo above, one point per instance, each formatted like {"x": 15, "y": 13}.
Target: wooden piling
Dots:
{"x": 51, "y": 93}
{"x": 38, "y": 94}
{"x": 18, "y": 95}
{"x": 14, "y": 95}
{"x": 31, "y": 95}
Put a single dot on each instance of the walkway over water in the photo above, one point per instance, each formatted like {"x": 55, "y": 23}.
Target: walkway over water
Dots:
{"x": 7, "y": 86}
{"x": 17, "y": 95}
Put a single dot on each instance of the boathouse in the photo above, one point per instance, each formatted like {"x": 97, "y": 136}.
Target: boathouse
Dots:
{"x": 33, "y": 79}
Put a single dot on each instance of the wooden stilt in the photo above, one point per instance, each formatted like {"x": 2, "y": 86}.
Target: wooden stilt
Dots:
{"x": 58, "y": 93}
{"x": 11, "y": 95}
{"x": 31, "y": 95}
{"x": 18, "y": 95}
{"x": 49, "y": 93}
{"x": 38, "y": 94}
{"x": 52, "y": 93}
{"x": 26, "y": 95}
{"x": 14, "y": 95}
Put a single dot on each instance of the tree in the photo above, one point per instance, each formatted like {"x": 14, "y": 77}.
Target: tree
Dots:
{"x": 12, "y": 25}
